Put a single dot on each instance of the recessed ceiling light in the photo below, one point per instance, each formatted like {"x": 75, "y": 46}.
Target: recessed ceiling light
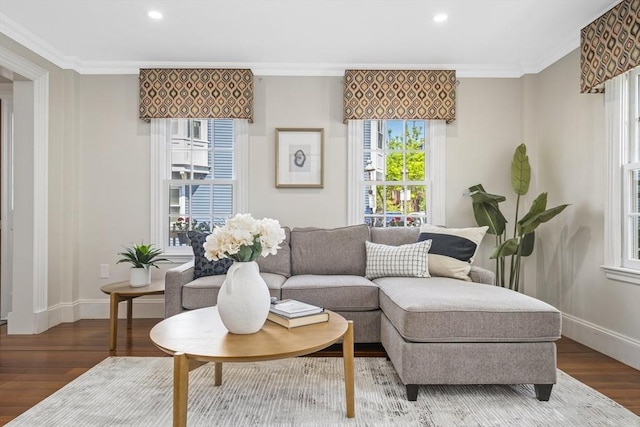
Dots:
{"x": 154, "y": 14}
{"x": 441, "y": 17}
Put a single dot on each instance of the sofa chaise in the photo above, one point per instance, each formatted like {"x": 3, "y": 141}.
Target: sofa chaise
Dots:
{"x": 435, "y": 330}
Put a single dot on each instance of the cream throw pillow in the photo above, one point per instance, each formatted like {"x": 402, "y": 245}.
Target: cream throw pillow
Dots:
{"x": 397, "y": 261}
{"x": 452, "y": 249}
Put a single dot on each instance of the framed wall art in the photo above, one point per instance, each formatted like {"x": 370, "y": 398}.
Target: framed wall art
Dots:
{"x": 299, "y": 158}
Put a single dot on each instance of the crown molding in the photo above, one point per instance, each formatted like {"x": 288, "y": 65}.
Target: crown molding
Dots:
{"x": 561, "y": 50}
{"x": 21, "y": 35}
{"x": 298, "y": 69}
{"x": 27, "y": 39}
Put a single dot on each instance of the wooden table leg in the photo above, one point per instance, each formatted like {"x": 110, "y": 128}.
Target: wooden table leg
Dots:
{"x": 113, "y": 321}
{"x": 347, "y": 355}
{"x": 180, "y": 389}
{"x": 129, "y": 312}
{"x": 218, "y": 373}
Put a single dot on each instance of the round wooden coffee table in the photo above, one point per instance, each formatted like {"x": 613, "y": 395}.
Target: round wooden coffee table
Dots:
{"x": 197, "y": 337}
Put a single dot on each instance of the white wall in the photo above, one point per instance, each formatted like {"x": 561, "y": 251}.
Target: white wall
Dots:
{"x": 480, "y": 143}
{"x": 298, "y": 102}
{"x": 112, "y": 212}
{"x": 114, "y": 174}
{"x": 570, "y": 155}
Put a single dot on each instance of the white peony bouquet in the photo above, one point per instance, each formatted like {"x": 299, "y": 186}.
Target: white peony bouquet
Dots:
{"x": 244, "y": 239}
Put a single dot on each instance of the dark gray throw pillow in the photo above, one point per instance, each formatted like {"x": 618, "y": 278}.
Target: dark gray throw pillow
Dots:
{"x": 450, "y": 245}
{"x": 201, "y": 265}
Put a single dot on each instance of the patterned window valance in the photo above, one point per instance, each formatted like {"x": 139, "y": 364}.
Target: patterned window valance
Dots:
{"x": 196, "y": 93}
{"x": 610, "y": 46}
{"x": 400, "y": 94}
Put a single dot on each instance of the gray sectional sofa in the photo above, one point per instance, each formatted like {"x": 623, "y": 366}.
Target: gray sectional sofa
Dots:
{"x": 436, "y": 330}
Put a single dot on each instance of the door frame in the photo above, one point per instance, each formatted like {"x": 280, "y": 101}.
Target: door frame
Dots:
{"x": 6, "y": 140}
{"x": 29, "y": 313}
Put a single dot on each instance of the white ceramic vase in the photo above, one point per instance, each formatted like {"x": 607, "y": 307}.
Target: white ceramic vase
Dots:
{"x": 244, "y": 299}
{"x": 139, "y": 277}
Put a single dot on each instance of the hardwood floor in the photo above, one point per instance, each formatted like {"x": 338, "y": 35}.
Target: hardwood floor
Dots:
{"x": 34, "y": 366}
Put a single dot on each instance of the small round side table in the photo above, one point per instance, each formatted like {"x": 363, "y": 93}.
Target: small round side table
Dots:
{"x": 122, "y": 291}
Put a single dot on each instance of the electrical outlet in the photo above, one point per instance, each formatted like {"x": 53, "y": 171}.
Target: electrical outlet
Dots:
{"x": 104, "y": 271}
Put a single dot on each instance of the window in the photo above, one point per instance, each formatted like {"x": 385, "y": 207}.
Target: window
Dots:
{"x": 396, "y": 176}
{"x": 196, "y": 168}
{"x": 622, "y": 204}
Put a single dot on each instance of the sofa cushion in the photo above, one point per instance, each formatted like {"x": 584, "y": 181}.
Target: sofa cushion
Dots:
{"x": 366, "y": 325}
{"x": 441, "y": 309}
{"x": 452, "y": 249}
{"x": 329, "y": 251}
{"x": 203, "y": 292}
{"x": 280, "y": 263}
{"x": 337, "y": 292}
{"x": 401, "y": 261}
{"x": 201, "y": 265}
{"x": 394, "y": 236}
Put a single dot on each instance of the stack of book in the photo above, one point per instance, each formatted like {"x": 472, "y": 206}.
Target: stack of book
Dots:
{"x": 291, "y": 313}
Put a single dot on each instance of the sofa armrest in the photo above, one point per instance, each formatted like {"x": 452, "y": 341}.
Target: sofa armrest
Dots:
{"x": 482, "y": 275}
{"x": 174, "y": 279}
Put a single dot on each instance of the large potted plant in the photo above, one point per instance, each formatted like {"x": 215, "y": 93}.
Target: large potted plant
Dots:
{"x": 142, "y": 257}
{"x": 486, "y": 210}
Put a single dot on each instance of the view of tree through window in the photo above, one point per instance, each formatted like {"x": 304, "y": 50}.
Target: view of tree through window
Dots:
{"x": 395, "y": 172}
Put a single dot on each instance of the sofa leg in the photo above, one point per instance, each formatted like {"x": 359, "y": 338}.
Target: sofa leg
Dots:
{"x": 412, "y": 392}
{"x": 543, "y": 391}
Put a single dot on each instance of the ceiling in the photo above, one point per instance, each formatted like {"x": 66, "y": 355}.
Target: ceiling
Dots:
{"x": 481, "y": 38}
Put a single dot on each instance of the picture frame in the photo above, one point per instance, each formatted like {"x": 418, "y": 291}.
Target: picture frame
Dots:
{"x": 299, "y": 158}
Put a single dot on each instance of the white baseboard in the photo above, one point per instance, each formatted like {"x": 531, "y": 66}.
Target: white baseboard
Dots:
{"x": 27, "y": 324}
{"x": 143, "y": 307}
{"x": 613, "y": 344}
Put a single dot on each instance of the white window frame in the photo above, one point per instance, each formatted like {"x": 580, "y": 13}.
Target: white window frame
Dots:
{"x": 628, "y": 224}
{"x": 621, "y": 126}
{"x": 160, "y": 167}
{"x": 435, "y": 178}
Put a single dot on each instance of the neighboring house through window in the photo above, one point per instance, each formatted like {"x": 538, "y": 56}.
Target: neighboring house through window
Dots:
{"x": 197, "y": 165}
{"x": 622, "y": 206}
{"x": 397, "y": 173}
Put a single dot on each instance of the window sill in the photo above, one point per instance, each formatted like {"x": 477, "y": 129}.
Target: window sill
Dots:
{"x": 178, "y": 258}
{"x": 620, "y": 274}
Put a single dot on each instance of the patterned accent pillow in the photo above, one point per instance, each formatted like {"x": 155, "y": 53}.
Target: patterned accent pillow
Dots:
{"x": 201, "y": 265}
{"x": 397, "y": 261}
{"x": 452, "y": 249}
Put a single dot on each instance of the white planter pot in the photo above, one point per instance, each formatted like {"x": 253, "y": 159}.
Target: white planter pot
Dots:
{"x": 140, "y": 277}
{"x": 244, "y": 299}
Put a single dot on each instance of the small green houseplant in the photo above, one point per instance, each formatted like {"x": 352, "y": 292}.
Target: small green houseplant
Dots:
{"x": 486, "y": 210}
{"x": 142, "y": 257}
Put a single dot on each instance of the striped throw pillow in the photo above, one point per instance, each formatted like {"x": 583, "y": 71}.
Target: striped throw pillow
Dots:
{"x": 452, "y": 249}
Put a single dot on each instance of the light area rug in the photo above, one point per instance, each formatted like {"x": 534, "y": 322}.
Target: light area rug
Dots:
{"x": 137, "y": 391}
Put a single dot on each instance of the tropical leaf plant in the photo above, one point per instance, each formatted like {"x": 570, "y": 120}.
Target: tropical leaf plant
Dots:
{"x": 486, "y": 210}
{"x": 141, "y": 256}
